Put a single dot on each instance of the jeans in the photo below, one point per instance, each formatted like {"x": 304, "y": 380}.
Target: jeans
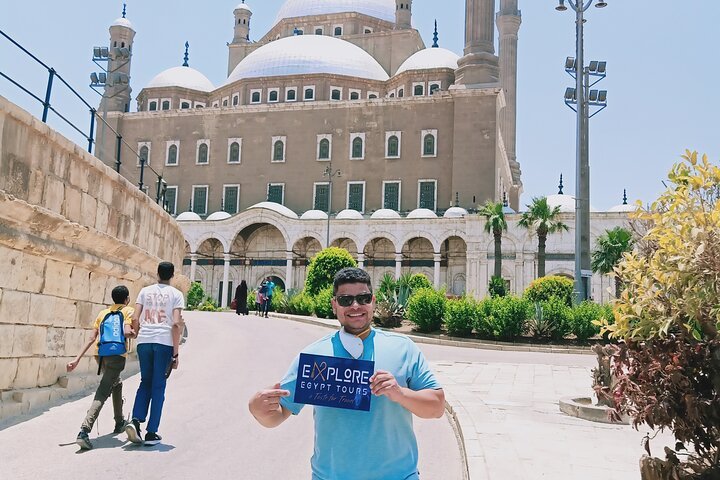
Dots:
{"x": 266, "y": 305}
{"x": 154, "y": 359}
{"x": 110, "y": 384}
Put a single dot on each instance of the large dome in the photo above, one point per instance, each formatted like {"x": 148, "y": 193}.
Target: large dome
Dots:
{"x": 430, "y": 58}
{"x": 382, "y": 9}
{"x": 185, "y": 77}
{"x": 308, "y": 54}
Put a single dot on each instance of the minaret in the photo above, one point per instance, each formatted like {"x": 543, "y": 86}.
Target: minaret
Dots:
{"x": 117, "y": 88}
{"x": 403, "y": 14}
{"x": 479, "y": 65}
{"x": 242, "y": 23}
{"x": 508, "y": 22}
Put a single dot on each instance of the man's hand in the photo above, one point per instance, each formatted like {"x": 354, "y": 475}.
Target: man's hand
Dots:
{"x": 175, "y": 363}
{"x": 265, "y": 406}
{"x": 72, "y": 365}
{"x": 384, "y": 383}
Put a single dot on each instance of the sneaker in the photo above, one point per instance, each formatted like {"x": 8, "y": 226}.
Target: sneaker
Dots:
{"x": 133, "y": 431}
{"x": 119, "y": 426}
{"x": 152, "y": 438}
{"x": 83, "y": 440}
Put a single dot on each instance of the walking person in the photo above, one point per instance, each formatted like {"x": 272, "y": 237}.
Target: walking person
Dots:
{"x": 268, "y": 293}
{"x": 378, "y": 444}
{"x": 159, "y": 324}
{"x": 113, "y": 327}
{"x": 241, "y": 293}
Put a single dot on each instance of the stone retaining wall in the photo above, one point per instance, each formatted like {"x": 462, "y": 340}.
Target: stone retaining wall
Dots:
{"x": 71, "y": 229}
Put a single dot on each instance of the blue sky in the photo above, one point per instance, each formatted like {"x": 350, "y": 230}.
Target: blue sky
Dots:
{"x": 662, "y": 74}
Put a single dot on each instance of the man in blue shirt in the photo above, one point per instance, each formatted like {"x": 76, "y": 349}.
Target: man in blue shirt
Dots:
{"x": 402, "y": 385}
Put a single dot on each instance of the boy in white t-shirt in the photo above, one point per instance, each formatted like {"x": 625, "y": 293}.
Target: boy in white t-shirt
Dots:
{"x": 159, "y": 323}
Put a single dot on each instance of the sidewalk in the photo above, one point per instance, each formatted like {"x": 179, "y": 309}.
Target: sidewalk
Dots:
{"x": 512, "y": 428}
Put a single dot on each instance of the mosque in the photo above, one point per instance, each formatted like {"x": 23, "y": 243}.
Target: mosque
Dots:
{"x": 340, "y": 127}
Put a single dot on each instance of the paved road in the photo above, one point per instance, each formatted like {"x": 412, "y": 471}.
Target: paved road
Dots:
{"x": 206, "y": 427}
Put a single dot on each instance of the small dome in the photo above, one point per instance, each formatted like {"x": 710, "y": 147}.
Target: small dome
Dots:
{"x": 188, "y": 217}
{"x": 308, "y": 54}
{"x": 382, "y": 9}
{"x": 623, "y": 208}
{"x": 243, "y": 6}
{"x": 455, "y": 212}
{"x": 218, "y": 216}
{"x": 508, "y": 210}
{"x": 277, "y": 208}
{"x": 430, "y": 58}
{"x": 122, "y": 22}
{"x": 565, "y": 202}
{"x": 422, "y": 213}
{"x": 385, "y": 214}
{"x": 184, "y": 77}
{"x": 349, "y": 214}
{"x": 314, "y": 215}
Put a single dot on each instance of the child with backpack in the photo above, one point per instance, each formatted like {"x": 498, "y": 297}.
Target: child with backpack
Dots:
{"x": 112, "y": 328}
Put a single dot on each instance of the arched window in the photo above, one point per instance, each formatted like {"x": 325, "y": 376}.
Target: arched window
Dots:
{"x": 255, "y": 98}
{"x": 185, "y": 105}
{"x": 335, "y": 95}
{"x": 418, "y": 90}
{"x": 429, "y": 145}
{"x": 172, "y": 155}
{"x": 225, "y": 103}
{"x": 290, "y": 95}
{"x": 434, "y": 87}
{"x": 392, "y": 95}
{"x": 401, "y": 93}
{"x": 393, "y": 146}
{"x": 324, "y": 149}
{"x": 318, "y": 31}
{"x": 354, "y": 96}
{"x": 309, "y": 94}
{"x": 338, "y": 31}
{"x": 278, "y": 151}
{"x": 202, "y": 153}
{"x": 273, "y": 96}
{"x": 372, "y": 95}
{"x": 234, "y": 153}
{"x": 144, "y": 152}
{"x": 236, "y": 100}
{"x": 153, "y": 106}
{"x": 166, "y": 105}
{"x": 357, "y": 147}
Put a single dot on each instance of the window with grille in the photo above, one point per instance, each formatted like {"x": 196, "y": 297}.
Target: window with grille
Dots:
{"x": 231, "y": 195}
{"x": 354, "y": 96}
{"x": 172, "y": 155}
{"x": 401, "y": 93}
{"x": 393, "y": 146}
{"x": 185, "y": 105}
{"x": 276, "y": 193}
{"x": 324, "y": 149}
{"x": 278, "y": 151}
{"x": 429, "y": 145}
{"x": 236, "y": 100}
{"x": 202, "y": 157}
{"x": 166, "y": 105}
{"x": 434, "y": 88}
{"x": 144, "y": 154}
{"x": 255, "y": 97}
{"x": 335, "y": 94}
{"x": 171, "y": 200}
{"x": 338, "y": 31}
{"x": 290, "y": 95}
{"x": 357, "y": 147}
{"x": 418, "y": 90}
{"x": 427, "y": 195}
{"x": 234, "y": 153}
{"x": 273, "y": 96}
{"x": 322, "y": 197}
{"x": 153, "y": 106}
{"x": 356, "y": 196}
{"x": 309, "y": 94}
{"x": 391, "y": 196}
{"x": 200, "y": 195}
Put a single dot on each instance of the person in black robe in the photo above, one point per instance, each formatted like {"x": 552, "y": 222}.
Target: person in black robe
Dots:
{"x": 241, "y": 299}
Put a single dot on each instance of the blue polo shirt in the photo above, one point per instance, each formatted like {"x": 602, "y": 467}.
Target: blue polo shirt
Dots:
{"x": 375, "y": 445}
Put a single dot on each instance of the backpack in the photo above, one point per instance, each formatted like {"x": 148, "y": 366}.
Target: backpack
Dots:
{"x": 112, "y": 334}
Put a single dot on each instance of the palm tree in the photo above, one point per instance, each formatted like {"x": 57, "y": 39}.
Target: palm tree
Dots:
{"x": 495, "y": 223}
{"x": 544, "y": 220}
{"x": 609, "y": 250}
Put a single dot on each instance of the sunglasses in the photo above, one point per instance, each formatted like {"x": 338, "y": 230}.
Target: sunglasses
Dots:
{"x": 347, "y": 300}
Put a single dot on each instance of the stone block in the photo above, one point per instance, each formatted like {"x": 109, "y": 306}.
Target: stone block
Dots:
{"x": 15, "y": 307}
{"x": 35, "y": 398}
{"x": 88, "y": 210}
{"x": 101, "y": 217}
{"x": 29, "y": 340}
{"x": 86, "y": 314}
{"x": 42, "y": 310}
{"x": 12, "y": 264}
{"x": 10, "y": 409}
{"x": 73, "y": 383}
{"x": 98, "y": 284}
{"x": 54, "y": 195}
{"x": 50, "y": 370}
{"x": 55, "y": 342}
{"x": 65, "y": 312}
{"x": 57, "y": 275}
{"x": 31, "y": 276}
{"x": 109, "y": 186}
{"x": 75, "y": 339}
{"x": 78, "y": 175}
{"x": 8, "y": 371}
{"x": 7, "y": 337}
{"x": 36, "y": 187}
{"x": 79, "y": 283}
{"x": 27, "y": 373}
{"x": 72, "y": 205}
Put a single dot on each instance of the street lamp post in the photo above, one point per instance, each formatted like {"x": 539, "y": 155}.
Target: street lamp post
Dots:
{"x": 582, "y": 96}
{"x": 329, "y": 173}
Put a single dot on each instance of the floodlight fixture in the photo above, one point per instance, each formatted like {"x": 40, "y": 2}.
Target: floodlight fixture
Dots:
{"x": 96, "y": 52}
{"x": 593, "y": 96}
{"x": 103, "y": 77}
{"x": 602, "y": 67}
{"x": 570, "y": 64}
{"x": 561, "y": 6}
{"x": 593, "y": 66}
{"x": 602, "y": 96}
{"x": 601, "y": 4}
{"x": 94, "y": 78}
{"x": 570, "y": 94}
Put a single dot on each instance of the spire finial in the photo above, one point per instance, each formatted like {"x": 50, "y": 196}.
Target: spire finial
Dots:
{"x": 624, "y": 196}
{"x": 560, "y": 187}
{"x": 457, "y": 199}
{"x": 505, "y": 200}
{"x": 124, "y": 9}
{"x": 187, "y": 56}
{"x": 435, "y": 37}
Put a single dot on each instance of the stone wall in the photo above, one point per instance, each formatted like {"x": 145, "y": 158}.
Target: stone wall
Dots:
{"x": 71, "y": 229}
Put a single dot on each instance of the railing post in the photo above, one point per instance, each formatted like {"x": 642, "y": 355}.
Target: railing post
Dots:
{"x": 117, "y": 157}
{"x": 159, "y": 188}
{"x": 46, "y": 104}
{"x": 142, "y": 172}
{"x": 91, "y": 138}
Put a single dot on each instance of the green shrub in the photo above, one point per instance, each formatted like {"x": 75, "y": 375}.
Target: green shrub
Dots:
{"x": 502, "y": 318}
{"x": 497, "y": 287}
{"x": 251, "y": 296}
{"x": 543, "y": 288}
{"x": 324, "y": 266}
{"x": 208, "y": 305}
{"x": 460, "y": 316}
{"x": 195, "y": 296}
{"x": 281, "y": 300}
{"x": 556, "y": 311}
{"x": 388, "y": 312}
{"x": 426, "y": 308}
{"x": 584, "y": 319}
{"x": 388, "y": 286}
{"x": 418, "y": 281}
{"x": 323, "y": 303}
{"x": 302, "y": 304}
